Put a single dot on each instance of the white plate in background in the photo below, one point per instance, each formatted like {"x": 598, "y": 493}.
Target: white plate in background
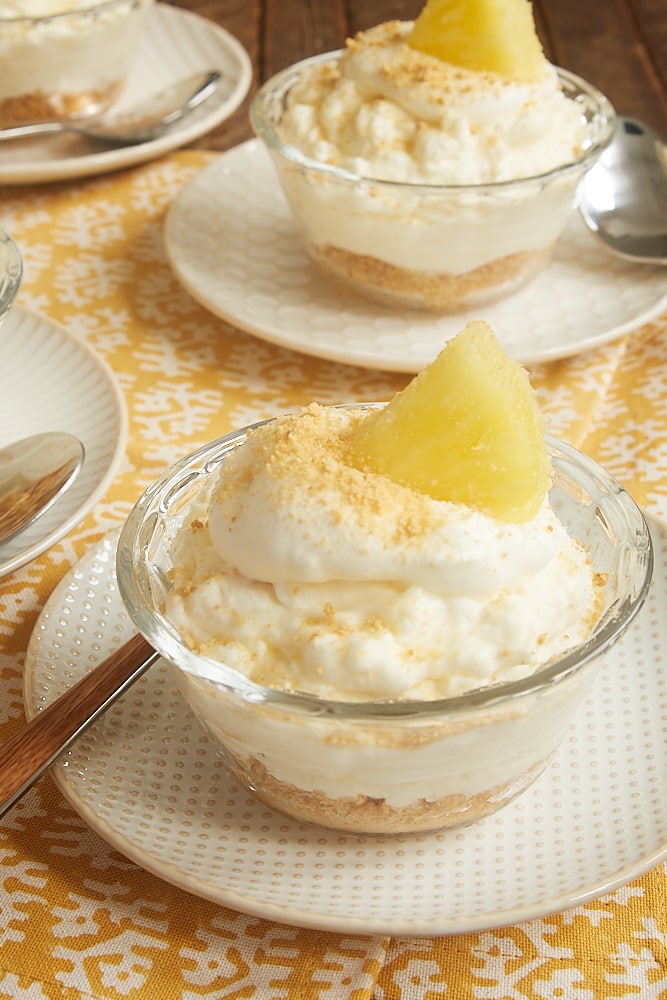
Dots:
{"x": 52, "y": 381}
{"x": 232, "y": 244}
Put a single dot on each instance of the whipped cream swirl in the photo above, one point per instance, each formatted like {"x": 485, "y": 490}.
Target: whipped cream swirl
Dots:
{"x": 390, "y": 112}
{"x": 308, "y": 574}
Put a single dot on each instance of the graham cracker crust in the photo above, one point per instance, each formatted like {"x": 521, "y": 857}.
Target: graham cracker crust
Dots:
{"x": 38, "y": 106}
{"x": 364, "y": 815}
{"x": 443, "y": 292}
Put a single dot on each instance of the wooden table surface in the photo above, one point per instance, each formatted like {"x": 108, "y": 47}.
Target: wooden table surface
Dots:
{"x": 618, "y": 45}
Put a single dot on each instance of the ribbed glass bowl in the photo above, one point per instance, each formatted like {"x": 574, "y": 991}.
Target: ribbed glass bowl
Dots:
{"x": 389, "y": 767}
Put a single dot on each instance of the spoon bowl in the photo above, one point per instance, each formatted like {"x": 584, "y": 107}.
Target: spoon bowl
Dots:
{"x": 34, "y": 473}
{"x": 145, "y": 122}
{"x": 623, "y": 198}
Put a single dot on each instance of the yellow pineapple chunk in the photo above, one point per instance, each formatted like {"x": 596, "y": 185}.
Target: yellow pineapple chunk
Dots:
{"x": 466, "y": 429}
{"x": 496, "y": 36}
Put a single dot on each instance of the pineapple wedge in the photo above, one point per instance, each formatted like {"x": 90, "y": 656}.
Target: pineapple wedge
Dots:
{"x": 466, "y": 429}
{"x": 496, "y": 36}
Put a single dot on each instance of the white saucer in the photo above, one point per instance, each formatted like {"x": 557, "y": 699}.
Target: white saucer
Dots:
{"x": 149, "y": 781}
{"x": 51, "y": 381}
{"x": 231, "y": 243}
{"x": 174, "y": 43}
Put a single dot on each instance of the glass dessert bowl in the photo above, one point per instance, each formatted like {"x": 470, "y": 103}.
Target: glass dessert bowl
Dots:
{"x": 387, "y": 766}
{"x": 65, "y": 61}
{"x": 434, "y": 246}
{"x": 11, "y": 272}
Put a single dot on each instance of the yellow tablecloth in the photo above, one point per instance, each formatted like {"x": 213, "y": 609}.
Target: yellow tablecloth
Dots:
{"x": 79, "y": 921}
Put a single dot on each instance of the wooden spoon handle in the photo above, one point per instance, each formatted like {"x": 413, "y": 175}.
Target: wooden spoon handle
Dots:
{"x": 25, "y": 757}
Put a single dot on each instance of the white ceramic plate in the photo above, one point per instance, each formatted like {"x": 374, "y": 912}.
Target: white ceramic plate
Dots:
{"x": 231, "y": 243}
{"x": 174, "y": 43}
{"x": 148, "y": 779}
{"x": 51, "y": 381}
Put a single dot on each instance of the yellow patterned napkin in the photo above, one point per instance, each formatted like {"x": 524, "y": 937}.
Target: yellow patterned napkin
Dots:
{"x": 77, "y": 920}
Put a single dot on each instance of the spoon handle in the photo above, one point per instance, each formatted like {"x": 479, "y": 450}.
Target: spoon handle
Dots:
{"x": 38, "y": 128}
{"x": 27, "y": 754}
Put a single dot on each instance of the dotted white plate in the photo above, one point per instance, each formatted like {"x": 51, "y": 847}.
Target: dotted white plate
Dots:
{"x": 52, "y": 381}
{"x": 174, "y": 43}
{"x": 148, "y": 779}
{"x": 232, "y": 244}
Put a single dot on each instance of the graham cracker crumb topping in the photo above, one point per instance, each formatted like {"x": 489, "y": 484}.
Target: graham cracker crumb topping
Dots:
{"x": 301, "y": 453}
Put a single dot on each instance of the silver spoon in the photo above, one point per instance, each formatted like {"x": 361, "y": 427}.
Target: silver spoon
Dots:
{"x": 34, "y": 473}
{"x": 623, "y": 198}
{"x": 145, "y": 122}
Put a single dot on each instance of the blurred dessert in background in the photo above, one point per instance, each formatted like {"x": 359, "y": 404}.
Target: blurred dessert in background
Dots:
{"x": 434, "y": 164}
{"x": 65, "y": 60}
{"x": 392, "y": 111}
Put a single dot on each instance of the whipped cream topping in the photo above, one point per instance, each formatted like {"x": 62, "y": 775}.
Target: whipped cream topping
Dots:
{"x": 308, "y": 574}
{"x": 390, "y": 112}
{"x": 290, "y": 510}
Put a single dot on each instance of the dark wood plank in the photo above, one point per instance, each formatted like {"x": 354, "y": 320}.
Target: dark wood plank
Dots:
{"x": 371, "y": 12}
{"x": 243, "y": 19}
{"x": 617, "y": 46}
{"x": 651, "y": 20}
{"x": 296, "y": 29}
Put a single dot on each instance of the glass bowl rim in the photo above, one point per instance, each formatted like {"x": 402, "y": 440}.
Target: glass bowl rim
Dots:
{"x": 165, "y": 638}
{"x": 266, "y": 131}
